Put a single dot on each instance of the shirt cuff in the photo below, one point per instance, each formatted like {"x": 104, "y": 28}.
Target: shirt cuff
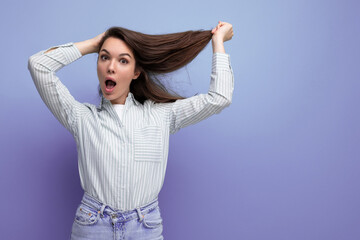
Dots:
{"x": 62, "y": 55}
{"x": 69, "y": 50}
{"x": 220, "y": 61}
{"x": 222, "y": 78}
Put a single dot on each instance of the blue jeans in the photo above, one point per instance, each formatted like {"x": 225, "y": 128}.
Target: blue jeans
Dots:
{"x": 97, "y": 221}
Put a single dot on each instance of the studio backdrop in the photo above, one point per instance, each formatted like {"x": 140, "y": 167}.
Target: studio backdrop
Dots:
{"x": 280, "y": 163}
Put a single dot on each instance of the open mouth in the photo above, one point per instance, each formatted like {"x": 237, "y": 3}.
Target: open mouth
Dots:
{"x": 110, "y": 85}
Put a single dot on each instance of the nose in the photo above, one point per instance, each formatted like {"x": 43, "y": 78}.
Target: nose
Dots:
{"x": 111, "y": 67}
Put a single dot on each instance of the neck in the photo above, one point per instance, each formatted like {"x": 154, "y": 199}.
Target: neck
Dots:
{"x": 120, "y": 100}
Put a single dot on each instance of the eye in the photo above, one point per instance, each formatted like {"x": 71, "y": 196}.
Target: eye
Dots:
{"x": 102, "y": 57}
{"x": 123, "y": 60}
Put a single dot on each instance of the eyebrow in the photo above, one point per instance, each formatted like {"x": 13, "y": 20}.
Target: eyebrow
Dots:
{"x": 122, "y": 54}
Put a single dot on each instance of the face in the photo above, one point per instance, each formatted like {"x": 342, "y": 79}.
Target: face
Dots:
{"x": 116, "y": 70}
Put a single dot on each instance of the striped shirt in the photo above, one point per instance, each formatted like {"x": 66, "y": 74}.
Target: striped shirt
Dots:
{"x": 122, "y": 163}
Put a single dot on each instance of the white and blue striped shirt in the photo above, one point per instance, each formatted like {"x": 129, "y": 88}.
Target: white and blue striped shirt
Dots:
{"x": 122, "y": 163}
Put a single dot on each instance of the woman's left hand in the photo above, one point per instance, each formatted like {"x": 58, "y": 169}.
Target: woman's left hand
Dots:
{"x": 223, "y": 31}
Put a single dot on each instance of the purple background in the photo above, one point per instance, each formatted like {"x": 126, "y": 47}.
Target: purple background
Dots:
{"x": 282, "y": 162}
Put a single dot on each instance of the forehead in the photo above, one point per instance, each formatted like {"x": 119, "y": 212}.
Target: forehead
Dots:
{"x": 116, "y": 46}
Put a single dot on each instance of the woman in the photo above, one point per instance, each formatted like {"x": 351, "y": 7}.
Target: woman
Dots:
{"x": 123, "y": 143}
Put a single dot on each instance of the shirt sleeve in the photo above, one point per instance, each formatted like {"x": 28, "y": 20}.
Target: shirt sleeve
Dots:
{"x": 185, "y": 112}
{"x": 43, "y": 67}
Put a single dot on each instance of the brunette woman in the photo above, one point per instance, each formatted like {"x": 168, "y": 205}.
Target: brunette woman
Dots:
{"x": 123, "y": 143}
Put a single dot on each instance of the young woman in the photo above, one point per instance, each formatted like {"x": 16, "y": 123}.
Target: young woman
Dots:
{"x": 123, "y": 143}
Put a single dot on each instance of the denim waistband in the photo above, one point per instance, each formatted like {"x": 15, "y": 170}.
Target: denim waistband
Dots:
{"x": 104, "y": 209}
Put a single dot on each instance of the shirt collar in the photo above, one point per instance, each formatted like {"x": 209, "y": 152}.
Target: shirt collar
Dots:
{"x": 130, "y": 99}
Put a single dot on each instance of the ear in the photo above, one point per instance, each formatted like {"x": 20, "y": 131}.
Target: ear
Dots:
{"x": 136, "y": 74}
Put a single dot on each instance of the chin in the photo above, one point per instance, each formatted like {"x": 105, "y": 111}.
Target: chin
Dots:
{"x": 108, "y": 97}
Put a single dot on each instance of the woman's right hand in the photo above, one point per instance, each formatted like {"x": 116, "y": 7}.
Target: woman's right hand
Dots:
{"x": 96, "y": 40}
{"x": 90, "y": 45}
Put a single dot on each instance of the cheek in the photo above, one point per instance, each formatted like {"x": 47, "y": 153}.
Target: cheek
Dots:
{"x": 100, "y": 68}
{"x": 129, "y": 73}
{"x": 100, "y": 72}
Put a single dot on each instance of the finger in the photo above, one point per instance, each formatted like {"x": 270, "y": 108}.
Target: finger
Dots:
{"x": 220, "y": 25}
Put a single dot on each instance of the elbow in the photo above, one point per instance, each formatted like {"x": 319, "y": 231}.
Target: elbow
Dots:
{"x": 32, "y": 61}
{"x": 36, "y": 64}
{"x": 226, "y": 102}
{"x": 219, "y": 101}
{"x": 37, "y": 70}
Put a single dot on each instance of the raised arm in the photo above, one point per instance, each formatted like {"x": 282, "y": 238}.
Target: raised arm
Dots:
{"x": 191, "y": 110}
{"x": 43, "y": 67}
{"x": 87, "y": 46}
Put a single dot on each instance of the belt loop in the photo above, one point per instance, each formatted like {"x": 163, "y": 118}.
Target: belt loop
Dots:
{"x": 141, "y": 216}
{"x": 103, "y": 206}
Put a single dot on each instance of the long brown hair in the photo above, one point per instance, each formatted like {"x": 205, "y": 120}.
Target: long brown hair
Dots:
{"x": 158, "y": 54}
